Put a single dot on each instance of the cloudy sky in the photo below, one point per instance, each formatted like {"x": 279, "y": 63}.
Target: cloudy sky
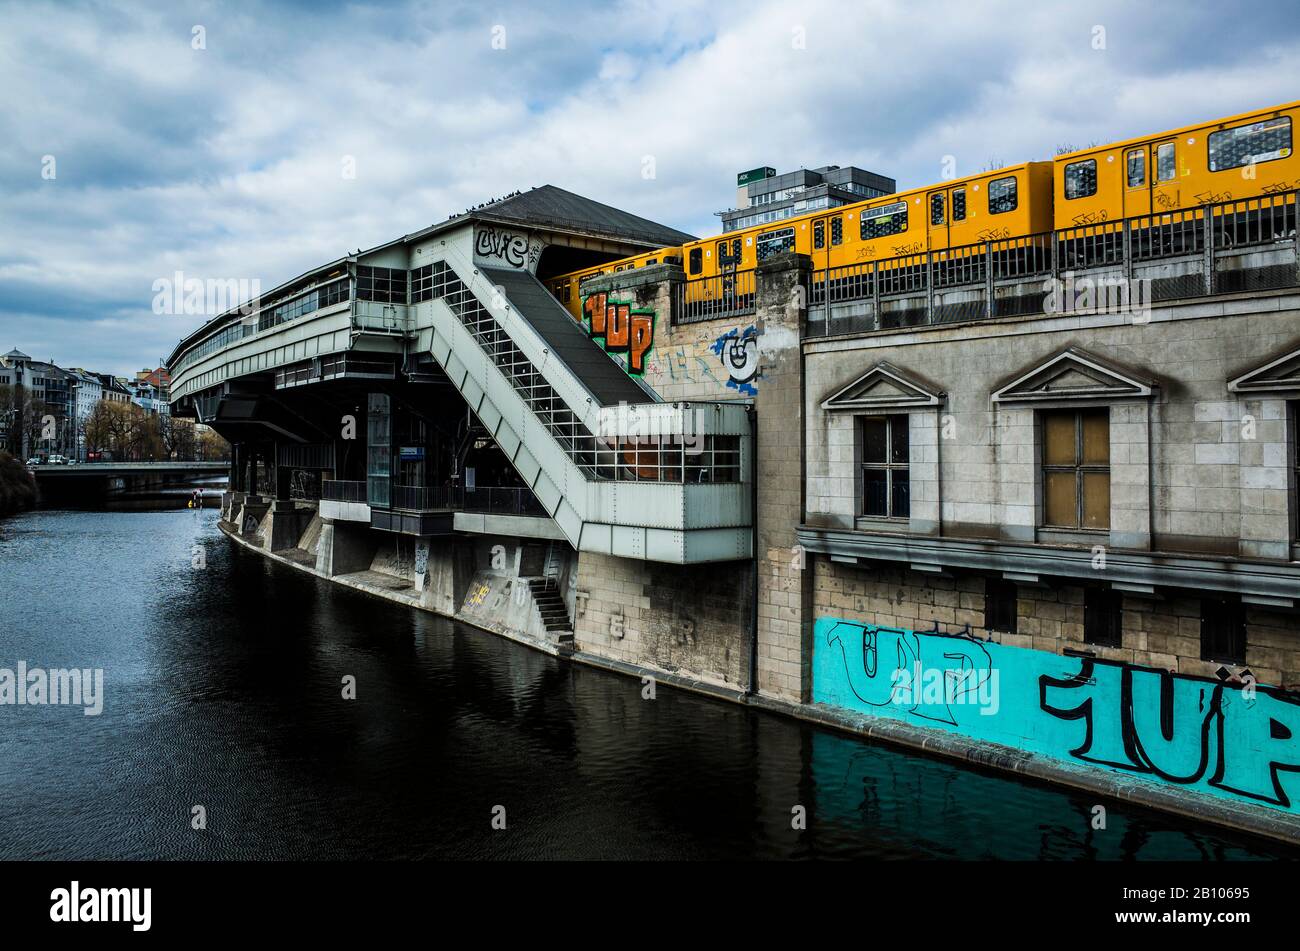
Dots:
{"x": 141, "y": 139}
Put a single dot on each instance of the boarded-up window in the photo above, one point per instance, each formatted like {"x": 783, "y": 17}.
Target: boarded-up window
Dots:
{"x": 1103, "y": 614}
{"x": 1223, "y": 631}
{"x": 1000, "y": 612}
{"x": 1076, "y": 469}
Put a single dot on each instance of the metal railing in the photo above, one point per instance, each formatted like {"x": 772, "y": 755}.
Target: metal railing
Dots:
{"x": 1247, "y": 244}
{"x": 338, "y": 490}
{"x": 668, "y": 458}
{"x": 730, "y": 294}
{"x": 500, "y": 500}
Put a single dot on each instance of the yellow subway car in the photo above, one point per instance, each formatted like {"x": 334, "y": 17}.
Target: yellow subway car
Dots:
{"x": 567, "y": 288}
{"x": 991, "y": 206}
{"x": 1242, "y": 156}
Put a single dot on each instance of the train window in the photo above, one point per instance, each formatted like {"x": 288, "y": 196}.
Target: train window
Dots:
{"x": 696, "y": 260}
{"x": 567, "y": 293}
{"x": 959, "y": 204}
{"x": 1002, "y": 196}
{"x": 774, "y": 242}
{"x": 837, "y": 231}
{"x": 1137, "y": 168}
{"x": 1264, "y": 141}
{"x": 1081, "y": 179}
{"x": 650, "y": 261}
{"x": 936, "y": 208}
{"x": 884, "y": 221}
{"x": 1166, "y": 167}
{"x": 819, "y": 235}
{"x": 735, "y": 251}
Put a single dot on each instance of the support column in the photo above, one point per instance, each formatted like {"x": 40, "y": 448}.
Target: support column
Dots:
{"x": 784, "y": 662}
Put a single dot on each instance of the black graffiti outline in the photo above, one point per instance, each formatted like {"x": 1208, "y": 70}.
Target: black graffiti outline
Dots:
{"x": 1140, "y": 761}
{"x": 871, "y": 662}
{"x": 506, "y": 245}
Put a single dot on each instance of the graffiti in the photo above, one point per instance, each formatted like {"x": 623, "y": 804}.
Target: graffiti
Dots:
{"x": 738, "y": 350}
{"x": 622, "y": 328}
{"x": 1212, "y": 198}
{"x": 1179, "y": 728}
{"x": 1281, "y": 187}
{"x": 421, "y": 559}
{"x": 506, "y": 245}
{"x": 865, "y": 254}
{"x": 924, "y": 674}
{"x": 915, "y": 247}
{"x": 993, "y": 234}
{"x": 1167, "y": 201}
{"x": 1091, "y": 217}
{"x": 250, "y": 525}
{"x": 1232, "y": 740}
{"x": 477, "y": 595}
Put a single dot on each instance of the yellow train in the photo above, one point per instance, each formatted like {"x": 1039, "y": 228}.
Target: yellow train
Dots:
{"x": 1160, "y": 177}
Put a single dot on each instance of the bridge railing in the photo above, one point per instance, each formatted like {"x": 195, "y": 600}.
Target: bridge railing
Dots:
{"x": 730, "y": 294}
{"x": 1231, "y": 246}
{"x": 500, "y": 500}
{"x": 340, "y": 490}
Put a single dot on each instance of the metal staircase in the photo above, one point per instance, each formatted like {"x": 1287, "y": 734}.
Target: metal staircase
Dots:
{"x": 573, "y": 423}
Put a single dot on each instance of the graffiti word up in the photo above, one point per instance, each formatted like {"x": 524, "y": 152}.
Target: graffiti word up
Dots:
{"x": 622, "y": 327}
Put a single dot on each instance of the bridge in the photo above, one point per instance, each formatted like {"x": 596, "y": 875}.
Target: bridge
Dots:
{"x": 96, "y": 483}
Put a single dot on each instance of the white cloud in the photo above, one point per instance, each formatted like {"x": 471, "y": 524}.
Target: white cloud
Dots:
{"x": 226, "y": 162}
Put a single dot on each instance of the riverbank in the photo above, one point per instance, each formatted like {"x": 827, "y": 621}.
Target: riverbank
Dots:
{"x": 1105, "y": 785}
{"x": 17, "y": 486}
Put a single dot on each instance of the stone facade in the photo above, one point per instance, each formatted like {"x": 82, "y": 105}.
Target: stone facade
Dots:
{"x": 1201, "y": 472}
{"x": 673, "y": 618}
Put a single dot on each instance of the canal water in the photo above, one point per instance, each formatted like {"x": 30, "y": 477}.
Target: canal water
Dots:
{"x": 223, "y": 689}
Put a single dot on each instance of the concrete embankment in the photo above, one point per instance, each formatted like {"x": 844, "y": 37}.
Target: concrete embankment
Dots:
{"x": 17, "y": 486}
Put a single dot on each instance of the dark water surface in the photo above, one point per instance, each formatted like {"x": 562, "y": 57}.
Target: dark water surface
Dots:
{"x": 223, "y": 688}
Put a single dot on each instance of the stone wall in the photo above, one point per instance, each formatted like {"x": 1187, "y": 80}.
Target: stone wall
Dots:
{"x": 693, "y": 620}
{"x": 1194, "y": 467}
{"x": 1160, "y": 633}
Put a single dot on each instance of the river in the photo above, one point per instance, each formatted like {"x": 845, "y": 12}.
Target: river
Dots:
{"x": 223, "y": 689}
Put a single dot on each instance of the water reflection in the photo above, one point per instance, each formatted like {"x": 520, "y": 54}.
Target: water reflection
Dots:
{"x": 224, "y": 689}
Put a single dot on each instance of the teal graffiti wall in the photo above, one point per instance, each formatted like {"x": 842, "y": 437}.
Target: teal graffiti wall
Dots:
{"x": 1224, "y": 739}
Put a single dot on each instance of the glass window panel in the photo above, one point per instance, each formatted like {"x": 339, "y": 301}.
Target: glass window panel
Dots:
{"x": 1059, "y": 502}
{"x": 1058, "y": 439}
{"x": 1081, "y": 179}
{"x": 1096, "y": 438}
{"x": 959, "y": 204}
{"x": 875, "y": 488}
{"x": 1166, "y": 169}
{"x": 1137, "y": 168}
{"x": 900, "y": 503}
{"x": 1002, "y": 196}
{"x": 1096, "y": 500}
{"x": 936, "y": 208}
{"x": 1249, "y": 144}
{"x": 898, "y": 435}
{"x": 874, "y": 440}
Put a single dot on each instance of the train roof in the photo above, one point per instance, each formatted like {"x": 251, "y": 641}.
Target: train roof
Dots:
{"x": 1168, "y": 133}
